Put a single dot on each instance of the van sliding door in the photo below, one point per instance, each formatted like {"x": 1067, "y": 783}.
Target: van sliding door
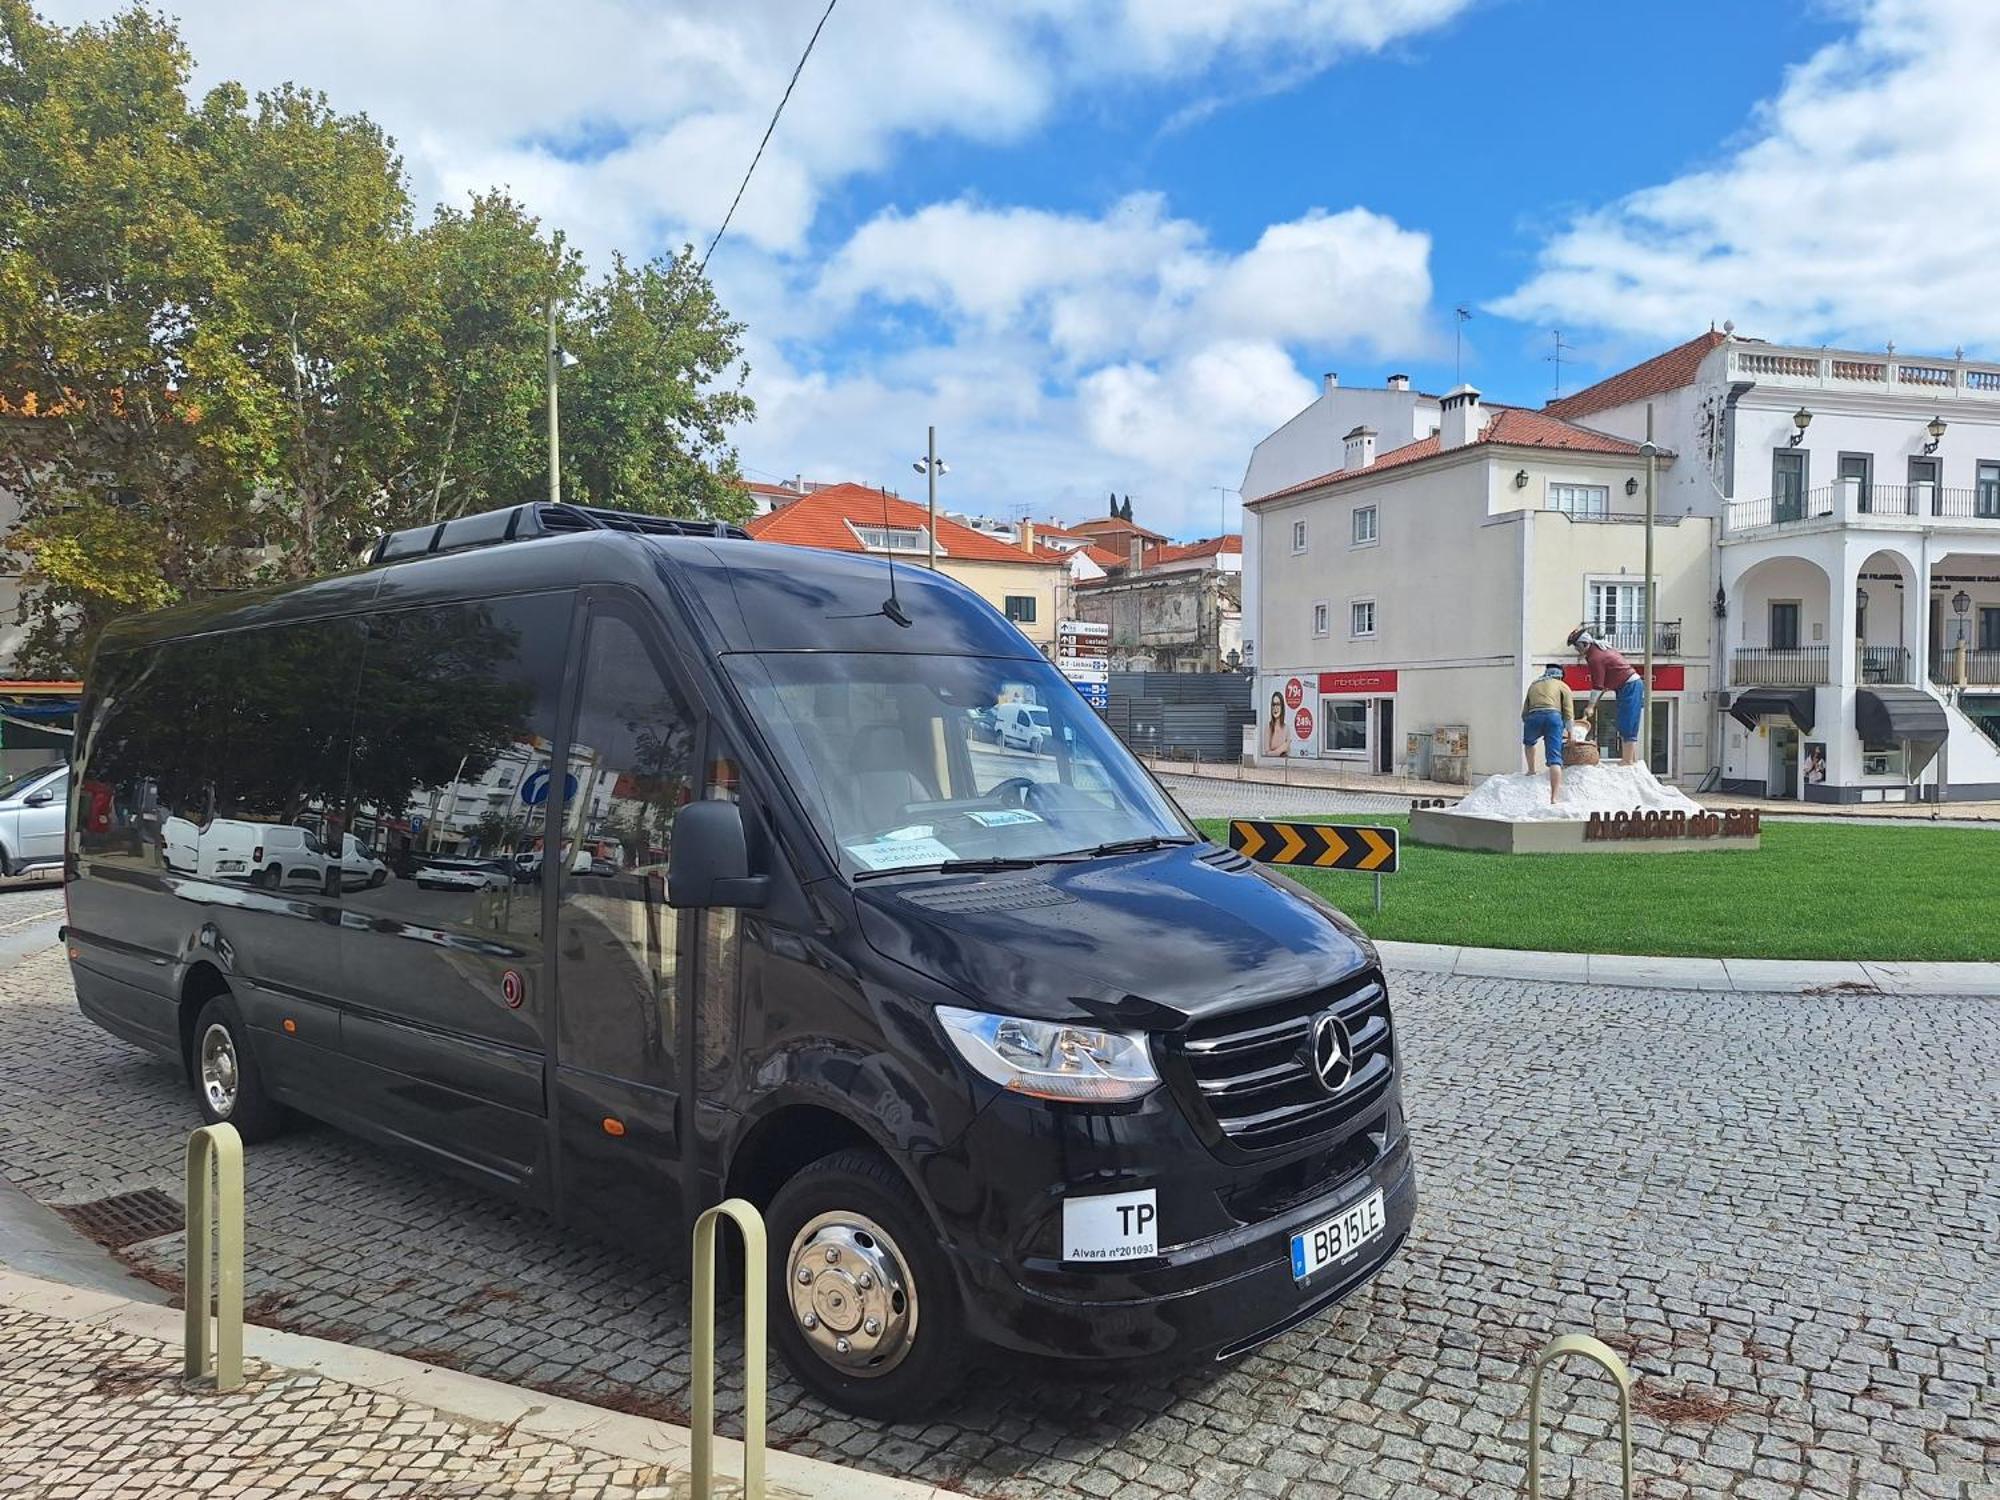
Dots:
{"x": 446, "y": 992}
{"x": 622, "y": 952}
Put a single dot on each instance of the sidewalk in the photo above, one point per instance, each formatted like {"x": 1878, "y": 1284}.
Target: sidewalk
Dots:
{"x": 1797, "y": 976}
{"x": 92, "y": 1404}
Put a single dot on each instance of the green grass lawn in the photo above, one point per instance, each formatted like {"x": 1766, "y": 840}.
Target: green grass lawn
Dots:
{"x": 1815, "y": 890}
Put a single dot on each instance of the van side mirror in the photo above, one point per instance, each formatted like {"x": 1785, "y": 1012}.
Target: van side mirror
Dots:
{"x": 710, "y": 864}
{"x": 40, "y": 799}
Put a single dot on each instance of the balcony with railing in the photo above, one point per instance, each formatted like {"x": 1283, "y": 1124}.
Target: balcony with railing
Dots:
{"x": 1628, "y": 637}
{"x": 1778, "y": 666}
{"x": 1850, "y": 502}
{"x": 1982, "y": 668}
{"x": 1858, "y": 370}
{"x": 1886, "y": 664}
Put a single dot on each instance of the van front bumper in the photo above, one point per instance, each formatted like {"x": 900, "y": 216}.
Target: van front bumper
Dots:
{"x": 1213, "y": 1296}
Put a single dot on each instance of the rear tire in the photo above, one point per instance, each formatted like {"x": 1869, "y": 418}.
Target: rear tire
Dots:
{"x": 228, "y": 1086}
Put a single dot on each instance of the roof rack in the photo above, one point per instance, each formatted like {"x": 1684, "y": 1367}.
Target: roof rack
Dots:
{"x": 522, "y": 523}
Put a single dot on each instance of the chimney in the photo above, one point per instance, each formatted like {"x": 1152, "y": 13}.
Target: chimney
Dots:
{"x": 1360, "y": 449}
{"x": 1399, "y": 382}
{"x": 1026, "y": 537}
{"x": 1329, "y": 383}
{"x": 1460, "y": 418}
{"x": 1138, "y": 555}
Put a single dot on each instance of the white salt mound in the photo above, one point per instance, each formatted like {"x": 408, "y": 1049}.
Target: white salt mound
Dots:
{"x": 1609, "y": 788}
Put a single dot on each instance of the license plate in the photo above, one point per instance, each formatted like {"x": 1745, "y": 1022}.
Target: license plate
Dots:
{"x": 1337, "y": 1237}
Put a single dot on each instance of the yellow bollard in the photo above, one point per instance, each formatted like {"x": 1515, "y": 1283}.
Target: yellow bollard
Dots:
{"x": 1602, "y": 1354}
{"x": 215, "y": 1150}
{"x": 746, "y": 1218}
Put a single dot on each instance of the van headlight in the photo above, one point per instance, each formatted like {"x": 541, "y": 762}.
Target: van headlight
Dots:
{"x": 1052, "y": 1059}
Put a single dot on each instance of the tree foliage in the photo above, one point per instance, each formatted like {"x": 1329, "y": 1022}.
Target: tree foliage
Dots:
{"x": 229, "y": 351}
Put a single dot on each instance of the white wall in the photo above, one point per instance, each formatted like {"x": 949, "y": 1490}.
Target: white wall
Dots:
{"x": 1311, "y": 443}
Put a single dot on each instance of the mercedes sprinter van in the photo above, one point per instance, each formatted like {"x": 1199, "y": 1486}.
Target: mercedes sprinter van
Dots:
{"x": 1005, "y": 1051}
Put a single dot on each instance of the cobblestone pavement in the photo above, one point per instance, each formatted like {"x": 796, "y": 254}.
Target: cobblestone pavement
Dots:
{"x": 1783, "y": 1209}
{"x": 1218, "y": 797}
{"x": 87, "y": 1412}
{"x": 28, "y": 900}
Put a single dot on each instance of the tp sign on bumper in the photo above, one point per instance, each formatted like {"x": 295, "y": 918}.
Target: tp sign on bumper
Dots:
{"x": 1112, "y": 1226}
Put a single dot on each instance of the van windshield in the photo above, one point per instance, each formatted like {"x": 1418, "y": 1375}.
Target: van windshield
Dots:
{"x": 908, "y": 761}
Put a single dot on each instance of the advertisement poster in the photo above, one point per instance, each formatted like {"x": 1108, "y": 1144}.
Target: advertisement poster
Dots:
{"x": 1815, "y": 762}
{"x": 1288, "y": 719}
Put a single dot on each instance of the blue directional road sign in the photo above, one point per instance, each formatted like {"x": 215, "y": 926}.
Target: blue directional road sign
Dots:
{"x": 535, "y": 790}
{"x": 1096, "y": 694}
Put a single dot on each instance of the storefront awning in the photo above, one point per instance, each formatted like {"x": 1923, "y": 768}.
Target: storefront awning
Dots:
{"x": 1890, "y": 715}
{"x": 1796, "y": 703}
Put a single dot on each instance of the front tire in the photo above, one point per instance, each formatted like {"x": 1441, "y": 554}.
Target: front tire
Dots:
{"x": 228, "y": 1085}
{"x": 864, "y": 1306}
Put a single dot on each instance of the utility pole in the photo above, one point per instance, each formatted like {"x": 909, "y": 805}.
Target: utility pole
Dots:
{"x": 555, "y": 421}
{"x": 554, "y": 369}
{"x": 930, "y": 484}
{"x": 1646, "y": 709}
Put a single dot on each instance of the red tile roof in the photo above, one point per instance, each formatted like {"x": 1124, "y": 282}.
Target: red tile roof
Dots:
{"x": 1104, "y": 526}
{"x": 1104, "y": 557}
{"x": 1057, "y": 528}
{"x": 1509, "y": 426}
{"x": 826, "y": 518}
{"x": 1663, "y": 372}
{"x": 1180, "y": 552}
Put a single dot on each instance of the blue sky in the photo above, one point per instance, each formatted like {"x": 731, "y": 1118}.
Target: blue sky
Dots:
{"x": 1108, "y": 244}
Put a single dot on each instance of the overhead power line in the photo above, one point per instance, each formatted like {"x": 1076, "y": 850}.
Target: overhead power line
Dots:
{"x": 811, "y": 42}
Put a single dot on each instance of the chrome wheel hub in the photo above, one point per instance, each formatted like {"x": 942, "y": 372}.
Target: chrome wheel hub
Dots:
{"x": 851, "y": 1294}
{"x": 218, "y": 1069}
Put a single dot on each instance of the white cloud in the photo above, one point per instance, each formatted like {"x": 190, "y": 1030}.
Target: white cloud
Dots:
{"x": 1063, "y": 354}
{"x": 1857, "y": 210}
{"x": 1142, "y": 356}
{"x": 1135, "y": 279}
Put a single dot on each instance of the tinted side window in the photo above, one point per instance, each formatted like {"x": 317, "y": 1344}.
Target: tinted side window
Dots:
{"x": 272, "y": 721}
{"x": 633, "y": 756}
{"x": 142, "y": 776}
{"x": 449, "y": 775}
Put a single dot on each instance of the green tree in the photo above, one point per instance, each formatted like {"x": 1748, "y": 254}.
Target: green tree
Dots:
{"x": 130, "y": 478}
{"x": 631, "y": 438}
{"x": 244, "y": 356}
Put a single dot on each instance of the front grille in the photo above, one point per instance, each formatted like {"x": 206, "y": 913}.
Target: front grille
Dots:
{"x": 1251, "y": 1071}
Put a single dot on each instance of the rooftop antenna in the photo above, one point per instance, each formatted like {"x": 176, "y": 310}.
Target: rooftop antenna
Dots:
{"x": 890, "y": 606}
{"x": 1464, "y": 316}
{"x": 1557, "y": 357}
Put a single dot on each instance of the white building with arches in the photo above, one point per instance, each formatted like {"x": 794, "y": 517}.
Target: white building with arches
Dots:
{"x": 1857, "y": 558}
{"x": 1826, "y": 589}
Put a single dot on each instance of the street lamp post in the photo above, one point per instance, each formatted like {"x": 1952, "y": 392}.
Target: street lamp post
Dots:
{"x": 558, "y": 360}
{"x": 1646, "y": 597}
{"x": 555, "y": 421}
{"x": 930, "y": 466}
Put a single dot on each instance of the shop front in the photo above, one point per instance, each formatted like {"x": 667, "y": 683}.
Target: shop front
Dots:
{"x": 1346, "y": 719}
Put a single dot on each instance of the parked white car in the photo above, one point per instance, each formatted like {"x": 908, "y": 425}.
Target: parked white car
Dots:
{"x": 277, "y": 856}
{"x": 32, "y": 808}
{"x": 440, "y": 874}
{"x": 1022, "y": 726}
{"x": 358, "y": 864}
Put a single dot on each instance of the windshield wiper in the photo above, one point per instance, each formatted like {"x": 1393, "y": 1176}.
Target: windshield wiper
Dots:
{"x": 1134, "y": 846}
{"x": 971, "y": 866}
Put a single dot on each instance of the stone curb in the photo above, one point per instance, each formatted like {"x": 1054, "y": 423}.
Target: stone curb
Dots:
{"x": 1728, "y": 975}
{"x": 469, "y": 1397}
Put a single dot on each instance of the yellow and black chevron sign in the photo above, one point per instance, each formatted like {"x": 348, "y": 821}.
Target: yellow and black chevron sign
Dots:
{"x": 1329, "y": 846}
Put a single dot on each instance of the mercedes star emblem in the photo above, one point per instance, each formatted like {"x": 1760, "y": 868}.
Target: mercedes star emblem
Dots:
{"x": 1333, "y": 1053}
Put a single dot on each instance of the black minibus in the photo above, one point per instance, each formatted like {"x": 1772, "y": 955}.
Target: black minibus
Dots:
{"x": 623, "y": 865}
